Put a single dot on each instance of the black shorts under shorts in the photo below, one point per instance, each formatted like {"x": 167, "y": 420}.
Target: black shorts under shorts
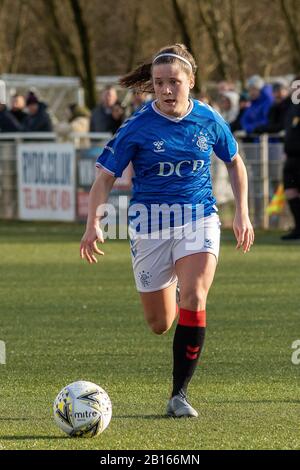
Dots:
{"x": 291, "y": 173}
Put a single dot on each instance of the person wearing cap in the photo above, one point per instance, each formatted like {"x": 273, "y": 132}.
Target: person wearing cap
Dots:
{"x": 79, "y": 122}
{"x": 261, "y": 101}
{"x": 79, "y": 118}
{"x": 38, "y": 119}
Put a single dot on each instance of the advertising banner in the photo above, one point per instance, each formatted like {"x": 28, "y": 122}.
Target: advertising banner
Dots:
{"x": 46, "y": 182}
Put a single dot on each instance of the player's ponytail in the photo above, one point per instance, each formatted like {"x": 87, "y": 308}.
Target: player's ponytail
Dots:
{"x": 141, "y": 77}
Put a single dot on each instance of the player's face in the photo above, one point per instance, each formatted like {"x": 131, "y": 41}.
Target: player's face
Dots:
{"x": 172, "y": 86}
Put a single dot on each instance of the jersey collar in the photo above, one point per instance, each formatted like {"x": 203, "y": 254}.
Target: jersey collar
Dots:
{"x": 173, "y": 119}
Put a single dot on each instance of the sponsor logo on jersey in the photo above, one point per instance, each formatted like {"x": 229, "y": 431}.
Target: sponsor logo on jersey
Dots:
{"x": 168, "y": 168}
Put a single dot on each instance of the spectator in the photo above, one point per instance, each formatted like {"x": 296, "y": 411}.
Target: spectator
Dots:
{"x": 79, "y": 122}
{"x": 79, "y": 118}
{"x": 244, "y": 103}
{"x": 261, "y": 101}
{"x": 38, "y": 120}
{"x": 101, "y": 120}
{"x": 7, "y": 121}
{"x": 118, "y": 115}
{"x": 18, "y": 108}
{"x": 138, "y": 99}
{"x": 204, "y": 97}
{"x": 291, "y": 171}
{"x": 229, "y": 105}
{"x": 224, "y": 86}
{"x": 278, "y": 111}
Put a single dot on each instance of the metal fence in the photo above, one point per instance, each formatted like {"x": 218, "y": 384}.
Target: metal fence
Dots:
{"x": 263, "y": 156}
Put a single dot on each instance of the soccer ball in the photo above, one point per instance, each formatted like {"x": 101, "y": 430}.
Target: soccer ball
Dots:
{"x": 82, "y": 409}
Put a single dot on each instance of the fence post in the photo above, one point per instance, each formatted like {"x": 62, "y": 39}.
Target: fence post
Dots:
{"x": 264, "y": 163}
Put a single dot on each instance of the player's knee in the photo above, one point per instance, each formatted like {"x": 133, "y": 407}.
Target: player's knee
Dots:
{"x": 194, "y": 299}
{"x": 159, "y": 327}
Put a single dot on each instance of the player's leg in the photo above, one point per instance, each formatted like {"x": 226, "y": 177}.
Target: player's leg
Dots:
{"x": 160, "y": 308}
{"x": 195, "y": 275}
{"x": 156, "y": 281}
{"x": 195, "y": 267}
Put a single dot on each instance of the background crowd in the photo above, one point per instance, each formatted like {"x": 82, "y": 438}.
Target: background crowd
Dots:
{"x": 260, "y": 108}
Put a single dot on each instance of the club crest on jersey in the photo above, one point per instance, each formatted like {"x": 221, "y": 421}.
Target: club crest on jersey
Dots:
{"x": 201, "y": 141}
{"x": 145, "y": 278}
{"x": 159, "y": 146}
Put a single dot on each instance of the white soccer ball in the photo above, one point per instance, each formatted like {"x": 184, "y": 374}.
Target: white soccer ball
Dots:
{"x": 82, "y": 409}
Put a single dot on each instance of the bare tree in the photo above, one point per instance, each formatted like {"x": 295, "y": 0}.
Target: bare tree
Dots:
{"x": 240, "y": 53}
{"x": 230, "y": 39}
{"x": 69, "y": 53}
{"x": 47, "y": 14}
{"x": 2, "y": 37}
{"x": 85, "y": 43}
{"x": 134, "y": 37}
{"x": 290, "y": 13}
{"x": 185, "y": 32}
{"x": 16, "y": 49}
{"x": 210, "y": 13}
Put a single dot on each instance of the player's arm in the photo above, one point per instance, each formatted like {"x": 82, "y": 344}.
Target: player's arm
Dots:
{"x": 98, "y": 195}
{"x": 242, "y": 226}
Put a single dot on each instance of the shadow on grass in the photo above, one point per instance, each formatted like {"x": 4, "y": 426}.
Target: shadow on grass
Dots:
{"x": 22, "y": 418}
{"x": 32, "y": 438}
{"x": 255, "y": 402}
{"x": 133, "y": 416}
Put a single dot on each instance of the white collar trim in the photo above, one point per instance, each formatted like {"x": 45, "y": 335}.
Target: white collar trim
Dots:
{"x": 174, "y": 119}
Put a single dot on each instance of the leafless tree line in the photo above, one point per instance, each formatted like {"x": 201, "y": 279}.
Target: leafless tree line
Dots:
{"x": 230, "y": 39}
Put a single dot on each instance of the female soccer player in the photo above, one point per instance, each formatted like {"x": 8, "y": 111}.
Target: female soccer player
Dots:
{"x": 170, "y": 142}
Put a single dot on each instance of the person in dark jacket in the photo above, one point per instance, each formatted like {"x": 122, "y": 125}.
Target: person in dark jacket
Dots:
{"x": 7, "y": 121}
{"x": 291, "y": 171}
{"x": 118, "y": 115}
{"x": 38, "y": 120}
{"x": 278, "y": 111}
{"x": 244, "y": 103}
{"x": 102, "y": 120}
{"x": 261, "y": 102}
{"x": 18, "y": 108}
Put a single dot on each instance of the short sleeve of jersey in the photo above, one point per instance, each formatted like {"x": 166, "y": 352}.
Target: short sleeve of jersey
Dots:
{"x": 226, "y": 146}
{"x": 118, "y": 152}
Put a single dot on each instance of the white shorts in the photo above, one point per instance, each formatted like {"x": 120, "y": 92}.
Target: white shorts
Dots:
{"x": 153, "y": 260}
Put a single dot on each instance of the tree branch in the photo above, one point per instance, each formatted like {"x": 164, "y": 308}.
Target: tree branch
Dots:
{"x": 85, "y": 43}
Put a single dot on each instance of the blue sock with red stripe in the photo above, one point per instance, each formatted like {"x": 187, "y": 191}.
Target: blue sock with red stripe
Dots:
{"x": 187, "y": 346}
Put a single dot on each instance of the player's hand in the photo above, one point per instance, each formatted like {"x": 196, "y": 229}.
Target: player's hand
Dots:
{"x": 243, "y": 231}
{"x": 88, "y": 245}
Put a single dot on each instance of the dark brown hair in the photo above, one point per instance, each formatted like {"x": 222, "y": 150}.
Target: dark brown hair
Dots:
{"x": 141, "y": 77}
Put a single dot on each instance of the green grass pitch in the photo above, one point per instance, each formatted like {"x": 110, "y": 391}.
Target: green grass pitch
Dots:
{"x": 63, "y": 320}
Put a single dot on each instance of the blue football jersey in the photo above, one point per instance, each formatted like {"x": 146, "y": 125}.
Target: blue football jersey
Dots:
{"x": 171, "y": 156}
